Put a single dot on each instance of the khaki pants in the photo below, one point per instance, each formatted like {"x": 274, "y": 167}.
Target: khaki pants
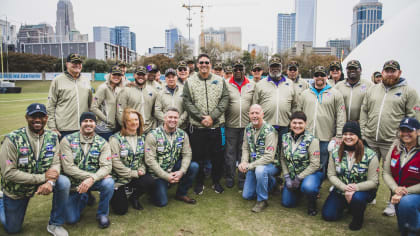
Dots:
{"x": 381, "y": 148}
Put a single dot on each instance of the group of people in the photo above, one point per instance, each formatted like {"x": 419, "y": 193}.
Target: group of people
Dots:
{"x": 133, "y": 138}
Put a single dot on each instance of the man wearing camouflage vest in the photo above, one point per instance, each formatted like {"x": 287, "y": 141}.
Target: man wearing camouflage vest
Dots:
{"x": 86, "y": 160}
{"x": 353, "y": 90}
{"x": 259, "y": 158}
{"x": 140, "y": 97}
{"x": 171, "y": 96}
{"x": 299, "y": 158}
{"x": 206, "y": 98}
{"x": 30, "y": 164}
{"x": 168, "y": 158}
{"x": 70, "y": 95}
{"x": 241, "y": 91}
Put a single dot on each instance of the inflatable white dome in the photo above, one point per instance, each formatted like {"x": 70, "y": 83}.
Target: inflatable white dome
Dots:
{"x": 398, "y": 39}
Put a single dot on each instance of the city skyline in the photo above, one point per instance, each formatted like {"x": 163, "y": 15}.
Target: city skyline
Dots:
{"x": 257, "y": 19}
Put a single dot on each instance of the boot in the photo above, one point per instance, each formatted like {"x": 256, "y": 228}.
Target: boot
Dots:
{"x": 356, "y": 223}
{"x": 312, "y": 211}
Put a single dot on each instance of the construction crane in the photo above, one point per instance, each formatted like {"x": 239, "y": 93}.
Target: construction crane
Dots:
{"x": 189, "y": 7}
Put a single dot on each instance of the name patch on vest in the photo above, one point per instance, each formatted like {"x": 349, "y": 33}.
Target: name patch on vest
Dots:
{"x": 393, "y": 162}
{"x": 94, "y": 153}
{"x": 49, "y": 148}
{"x": 24, "y": 150}
{"x": 23, "y": 161}
{"x": 413, "y": 169}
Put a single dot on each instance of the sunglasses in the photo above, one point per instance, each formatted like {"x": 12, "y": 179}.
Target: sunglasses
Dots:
{"x": 238, "y": 69}
{"x": 140, "y": 73}
{"x": 204, "y": 62}
{"x": 319, "y": 75}
{"x": 292, "y": 69}
{"x": 255, "y": 70}
{"x": 182, "y": 69}
{"x": 334, "y": 69}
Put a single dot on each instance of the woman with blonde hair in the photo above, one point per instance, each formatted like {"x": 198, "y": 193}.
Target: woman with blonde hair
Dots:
{"x": 128, "y": 168}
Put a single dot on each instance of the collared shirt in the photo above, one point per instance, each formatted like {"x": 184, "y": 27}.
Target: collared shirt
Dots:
{"x": 277, "y": 82}
{"x": 239, "y": 86}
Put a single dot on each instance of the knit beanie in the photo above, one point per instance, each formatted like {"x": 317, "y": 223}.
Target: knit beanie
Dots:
{"x": 87, "y": 115}
{"x": 353, "y": 127}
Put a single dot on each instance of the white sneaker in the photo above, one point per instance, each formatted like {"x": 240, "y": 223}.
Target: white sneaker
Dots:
{"x": 389, "y": 210}
{"x": 57, "y": 230}
{"x": 373, "y": 202}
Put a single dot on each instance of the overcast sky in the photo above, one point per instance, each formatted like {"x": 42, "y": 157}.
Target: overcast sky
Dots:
{"x": 149, "y": 19}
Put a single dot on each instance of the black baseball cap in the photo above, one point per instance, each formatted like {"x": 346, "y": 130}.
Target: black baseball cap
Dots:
{"x": 36, "y": 108}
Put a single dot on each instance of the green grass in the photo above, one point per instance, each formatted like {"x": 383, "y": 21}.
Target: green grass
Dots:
{"x": 214, "y": 214}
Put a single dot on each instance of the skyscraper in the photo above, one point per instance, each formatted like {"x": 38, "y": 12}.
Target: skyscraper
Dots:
{"x": 172, "y": 37}
{"x": 285, "y": 31}
{"x": 306, "y": 20}
{"x": 65, "y": 20}
{"x": 367, "y": 17}
{"x": 101, "y": 34}
{"x": 233, "y": 36}
{"x": 41, "y": 33}
{"x": 133, "y": 41}
{"x": 123, "y": 36}
{"x": 342, "y": 46}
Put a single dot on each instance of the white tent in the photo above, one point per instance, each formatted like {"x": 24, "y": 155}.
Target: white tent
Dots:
{"x": 398, "y": 39}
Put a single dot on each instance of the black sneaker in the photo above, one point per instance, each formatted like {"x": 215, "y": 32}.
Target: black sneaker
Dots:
{"x": 218, "y": 188}
{"x": 229, "y": 183}
{"x": 199, "y": 189}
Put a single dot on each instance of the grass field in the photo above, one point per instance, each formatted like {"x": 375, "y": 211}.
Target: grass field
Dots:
{"x": 214, "y": 214}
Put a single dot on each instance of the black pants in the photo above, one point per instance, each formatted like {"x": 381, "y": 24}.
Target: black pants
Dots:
{"x": 64, "y": 133}
{"x": 141, "y": 185}
{"x": 206, "y": 144}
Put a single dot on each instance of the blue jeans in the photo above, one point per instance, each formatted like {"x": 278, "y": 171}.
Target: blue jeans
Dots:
{"x": 310, "y": 187}
{"x": 324, "y": 157}
{"x": 12, "y": 212}
{"x": 408, "y": 211}
{"x": 259, "y": 182}
{"x": 77, "y": 202}
{"x": 161, "y": 185}
{"x": 334, "y": 205}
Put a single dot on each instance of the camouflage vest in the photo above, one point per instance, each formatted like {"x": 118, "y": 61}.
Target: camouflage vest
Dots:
{"x": 127, "y": 156}
{"x": 298, "y": 160}
{"x": 257, "y": 148}
{"x": 358, "y": 172}
{"x": 88, "y": 162}
{"x": 166, "y": 154}
{"x": 206, "y": 95}
{"x": 26, "y": 161}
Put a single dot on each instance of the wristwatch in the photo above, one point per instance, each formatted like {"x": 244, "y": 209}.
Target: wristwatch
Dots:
{"x": 51, "y": 182}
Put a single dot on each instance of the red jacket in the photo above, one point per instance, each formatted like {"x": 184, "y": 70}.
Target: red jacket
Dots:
{"x": 408, "y": 175}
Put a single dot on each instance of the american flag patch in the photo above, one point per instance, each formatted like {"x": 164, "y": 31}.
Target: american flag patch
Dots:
{"x": 416, "y": 108}
{"x": 108, "y": 158}
{"x": 316, "y": 153}
{"x": 270, "y": 149}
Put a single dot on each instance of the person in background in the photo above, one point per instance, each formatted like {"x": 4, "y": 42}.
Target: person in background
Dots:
{"x": 376, "y": 77}
{"x": 336, "y": 73}
{"x": 257, "y": 72}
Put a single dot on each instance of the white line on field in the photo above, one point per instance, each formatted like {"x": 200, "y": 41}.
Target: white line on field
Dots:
{"x": 20, "y": 100}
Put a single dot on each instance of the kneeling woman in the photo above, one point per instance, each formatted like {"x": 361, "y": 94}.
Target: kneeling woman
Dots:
{"x": 128, "y": 168}
{"x": 402, "y": 175}
{"x": 300, "y": 163}
{"x": 353, "y": 170}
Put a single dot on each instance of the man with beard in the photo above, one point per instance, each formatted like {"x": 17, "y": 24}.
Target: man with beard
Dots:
{"x": 70, "y": 95}
{"x": 277, "y": 98}
{"x": 86, "y": 160}
{"x": 205, "y": 97}
{"x": 152, "y": 70}
{"x": 336, "y": 73}
{"x": 353, "y": 90}
{"x": 326, "y": 113}
{"x": 259, "y": 158}
{"x": 383, "y": 107}
{"x": 183, "y": 72}
{"x": 140, "y": 97}
{"x": 293, "y": 74}
{"x": 30, "y": 164}
{"x": 256, "y": 72}
{"x": 168, "y": 157}
{"x": 241, "y": 91}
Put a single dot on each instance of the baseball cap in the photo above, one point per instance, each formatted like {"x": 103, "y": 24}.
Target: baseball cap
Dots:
{"x": 293, "y": 64}
{"x": 275, "y": 61}
{"x": 170, "y": 71}
{"x": 336, "y": 64}
{"x": 115, "y": 70}
{"x": 74, "y": 57}
{"x": 392, "y": 64}
{"x": 140, "y": 69}
{"x": 218, "y": 66}
{"x": 320, "y": 69}
{"x": 257, "y": 66}
{"x": 410, "y": 123}
{"x": 122, "y": 63}
{"x": 228, "y": 69}
{"x": 35, "y": 108}
{"x": 354, "y": 64}
{"x": 182, "y": 64}
{"x": 152, "y": 68}
{"x": 238, "y": 62}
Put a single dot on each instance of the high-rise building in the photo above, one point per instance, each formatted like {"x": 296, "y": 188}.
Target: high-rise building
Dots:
{"x": 306, "y": 20}
{"x": 367, "y": 17}
{"x": 286, "y": 28}
{"x": 41, "y": 33}
{"x": 65, "y": 20}
{"x": 233, "y": 36}
{"x": 7, "y": 32}
{"x": 123, "y": 36}
{"x": 172, "y": 36}
{"x": 133, "y": 41}
{"x": 212, "y": 35}
{"x": 113, "y": 35}
{"x": 342, "y": 46}
{"x": 102, "y": 34}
